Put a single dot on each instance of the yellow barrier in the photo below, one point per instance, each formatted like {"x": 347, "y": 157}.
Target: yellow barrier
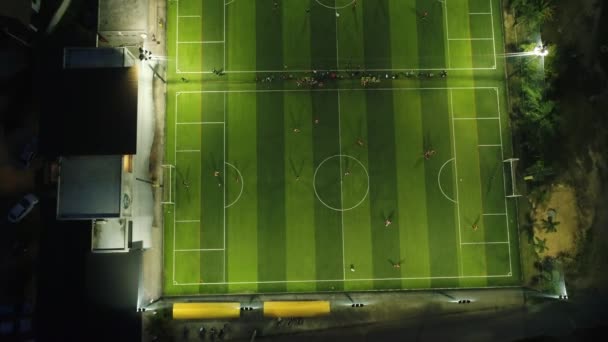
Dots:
{"x": 296, "y": 309}
{"x": 206, "y": 310}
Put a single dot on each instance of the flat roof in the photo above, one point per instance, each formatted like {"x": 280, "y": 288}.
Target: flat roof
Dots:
{"x": 90, "y": 112}
{"x": 89, "y": 187}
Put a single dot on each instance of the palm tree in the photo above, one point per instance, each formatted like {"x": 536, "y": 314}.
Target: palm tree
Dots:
{"x": 533, "y": 12}
{"x": 549, "y": 225}
{"x": 540, "y": 245}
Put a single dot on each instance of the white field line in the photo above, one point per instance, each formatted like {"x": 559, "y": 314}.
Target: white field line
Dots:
{"x": 439, "y": 180}
{"x": 201, "y": 42}
{"x": 337, "y": 49}
{"x": 187, "y": 151}
{"x": 188, "y": 16}
{"x": 176, "y": 174}
{"x": 200, "y": 250}
{"x": 187, "y": 221}
{"x": 486, "y": 243}
{"x": 177, "y": 72}
{"x": 457, "y": 179}
{"x": 447, "y": 33}
{"x": 339, "y": 89}
{"x": 481, "y": 118}
{"x": 341, "y": 192}
{"x": 202, "y": 123}
{"x": 340, "y": 70}
{"x": 489, "y": 145}
{"x": 467, "y": 39}
{"x": 347, "y": 280}
{"x": 224, "y": 42}
{"x": 504, "y": 182}
{"x": 493, "y": 41}
{"x": 224, "y": 172}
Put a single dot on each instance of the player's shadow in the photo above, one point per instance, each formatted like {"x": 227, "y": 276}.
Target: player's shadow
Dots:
{"x": 474, "y": 222}
{"x": 295, "y": 121}
{"x": 296, "y": 169}
{"x": 491, "y": 178}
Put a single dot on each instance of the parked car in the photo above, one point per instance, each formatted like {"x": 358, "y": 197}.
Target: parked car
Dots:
{"x": 21, "y": 209}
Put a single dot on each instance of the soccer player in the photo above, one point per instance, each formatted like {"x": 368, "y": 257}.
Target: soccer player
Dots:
{"x": 216, "y": 173}
{"x": 387, "y": 222}
{"x": 360, "y": 142}
{"x": 296, "y": 130}
{"x": 352, "y": 267}
{"x": 474, "y": 226}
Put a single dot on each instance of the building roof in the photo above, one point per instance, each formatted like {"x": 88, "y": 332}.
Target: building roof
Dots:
{"x": 89, "y": 187}
{"x": 90, "y": 112}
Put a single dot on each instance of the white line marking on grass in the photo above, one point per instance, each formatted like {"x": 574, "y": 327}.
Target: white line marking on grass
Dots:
{"x": 335, "y": 7}
{"x": 176, "y": 175}
{"x": 486, "y": 243}
{"x": 201, "y": 42}
{"x": 338, "y": 89}
{"x": 337, "y": 49}
{"x": 315, "y": 176}
{"x": 504, "y": 182}
{"x": 467, "y": 39}
{"x": 439, "y": 181}
{"x": 494, "y": 214}
{"x": 341, "y": 174}
{"x": 187, "y": 151}
{"x": 493, "y": 35}
{"x": 177, "y": 71}
{"x": 242, "y": 185}
{"x": 202, "y": 123}
{"x": 199, "y": 250}
{"x": 456, "y": 179}
{"x": 341, "y": 70}
{"x": 224, "y": 40}
{"x": 481, "y": 118}
{"x": 348, "y": 280}
{"x": 447, "y": 34}
{"x": 224, "y": 140}
{"x": 187, "y": 221}
{"x": 188, "y": 16}
{"x": 489, "y": 145}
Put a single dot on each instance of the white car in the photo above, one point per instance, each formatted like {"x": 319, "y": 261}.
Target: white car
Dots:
{"x": 21, "y": 209}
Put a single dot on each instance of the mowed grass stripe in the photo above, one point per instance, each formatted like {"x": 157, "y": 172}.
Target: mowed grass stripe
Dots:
{"x": 323, "y": 37}
{"x": 441, "y": 215}
{"x": 376, "y": 34}
{"x": 431, "y": 35}
{"x": 269, "y": 36}
{"x": 328, "y": 222}
{"x": 383, "y": 195}
{"x": 212, "y": 186}
{"x": 296, "y": 35}
{"x": 241, "y": 37}
{"x": 350, "y": 38}
{"x": 470, "y": 197}
{"x": 213, "y": 23}
{"x": 242, "y": 216}
{"x": 271, "y": 191}
{"x": 403, "y": 35}
{"x": 357, "y": 233}
{"x": 299, "y": 195}
{"x": 411, "y": 189}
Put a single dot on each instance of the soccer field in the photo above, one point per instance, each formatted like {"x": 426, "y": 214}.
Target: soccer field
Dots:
{"x": 272, "y": 185}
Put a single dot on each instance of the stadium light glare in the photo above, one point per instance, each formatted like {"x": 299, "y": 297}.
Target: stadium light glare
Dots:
{"x": 540, "y": 50}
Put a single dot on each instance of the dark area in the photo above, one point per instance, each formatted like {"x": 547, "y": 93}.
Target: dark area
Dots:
{"x": 90, "y": 111}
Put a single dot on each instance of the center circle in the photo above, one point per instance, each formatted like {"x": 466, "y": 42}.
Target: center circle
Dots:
{"x": 336, "y": 173}
{"x": 335, "y": 4}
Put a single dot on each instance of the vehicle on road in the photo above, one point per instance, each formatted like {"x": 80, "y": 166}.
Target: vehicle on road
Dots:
{"x": 22, "y": 208}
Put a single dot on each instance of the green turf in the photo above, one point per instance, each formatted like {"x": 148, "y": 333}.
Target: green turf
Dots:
{"x": 306, "y": 178}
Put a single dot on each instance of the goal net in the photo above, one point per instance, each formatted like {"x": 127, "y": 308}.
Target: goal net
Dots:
{"x": 510, "y": 179}
{"x": 167, "y": 184}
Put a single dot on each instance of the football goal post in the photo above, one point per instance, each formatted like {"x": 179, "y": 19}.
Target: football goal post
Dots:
{"x": 167, "y": 184}
{"x": 510, "y": 163}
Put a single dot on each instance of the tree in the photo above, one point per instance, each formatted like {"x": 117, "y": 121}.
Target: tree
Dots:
{"x": 533, "y": 13}
{"x": 540, "y": 244}
{"x": 549, "y": 225}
